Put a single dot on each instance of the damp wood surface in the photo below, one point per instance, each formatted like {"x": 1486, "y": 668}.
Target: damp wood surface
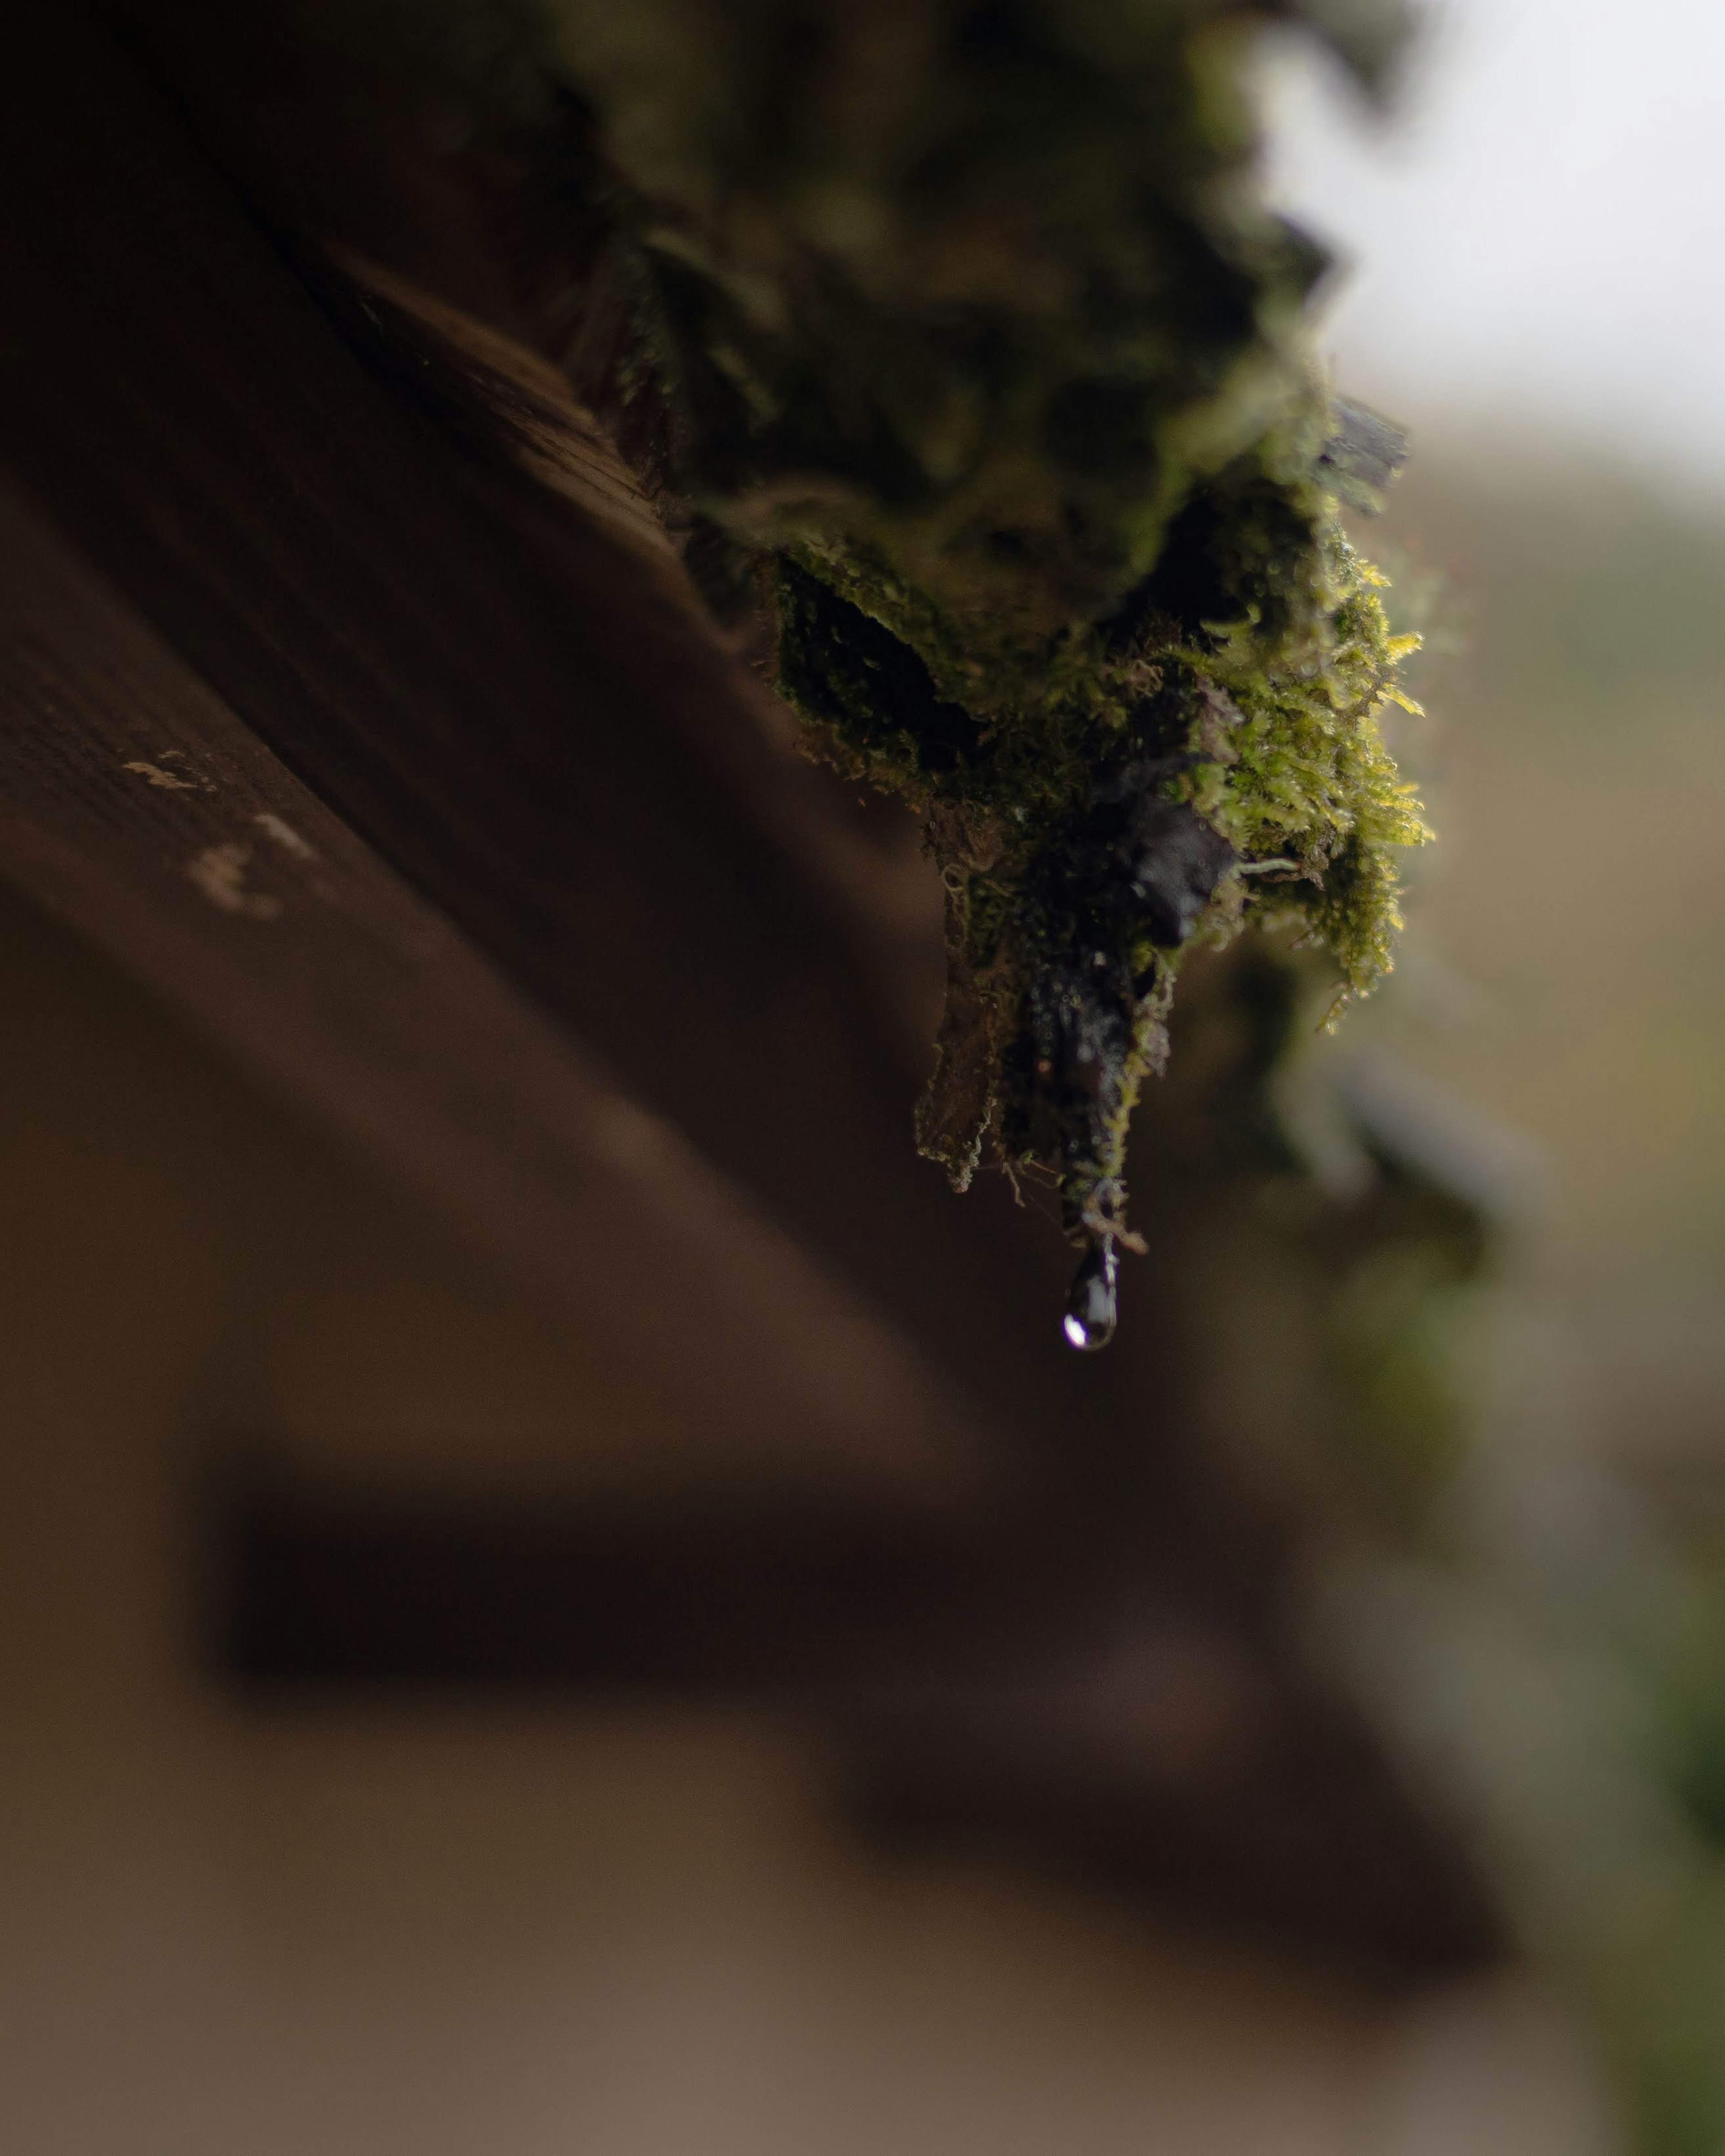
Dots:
{"x": 532, "y": 731}
{"x": 135, "y": 804}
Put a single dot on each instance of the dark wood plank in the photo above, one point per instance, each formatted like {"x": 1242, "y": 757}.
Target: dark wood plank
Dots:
{"x": 987, "y": 1683}
{"x": 321, "y": 1588}
{"x": 486, "y": 688}
{"x": 135, "y": 804}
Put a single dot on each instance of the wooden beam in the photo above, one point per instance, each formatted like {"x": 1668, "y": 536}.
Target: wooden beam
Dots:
{"x": 988, "y": 1683}
{"x": 418, "y": 778}
{"x": 137, "y": 807}
{"x": 529, "y": 728}
{"x": 321, "y": 1588}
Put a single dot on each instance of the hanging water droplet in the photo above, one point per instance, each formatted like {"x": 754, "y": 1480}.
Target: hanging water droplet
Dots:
{"x": 1089, "y": 1322}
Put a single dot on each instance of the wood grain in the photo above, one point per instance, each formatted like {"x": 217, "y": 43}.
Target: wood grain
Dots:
{"x": 134, "y": 803}
{"x": 486, "y": 688}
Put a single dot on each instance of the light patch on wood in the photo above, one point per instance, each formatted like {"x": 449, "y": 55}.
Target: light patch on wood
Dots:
{"x": 632, "y": 1138}
{"x": 284, "y": 835}
{"x": 541, "y": 423}
{"x": 169, "y": 780}
{"x": 219, "y": 873}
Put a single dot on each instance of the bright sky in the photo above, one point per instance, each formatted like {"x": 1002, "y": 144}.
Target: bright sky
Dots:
{"x": 1539, "y": 232}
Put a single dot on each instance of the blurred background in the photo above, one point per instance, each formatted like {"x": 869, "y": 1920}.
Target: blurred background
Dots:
{"x": 1527, "y": 243}
{"x": 529, "y": 1928}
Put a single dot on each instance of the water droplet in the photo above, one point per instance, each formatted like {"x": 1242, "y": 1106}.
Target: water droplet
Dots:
{"x": 1089, "y": 1322}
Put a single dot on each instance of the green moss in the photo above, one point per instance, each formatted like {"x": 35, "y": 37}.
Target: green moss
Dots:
{"x": 1208, "y": 754}
{"x": 964, "y": 326}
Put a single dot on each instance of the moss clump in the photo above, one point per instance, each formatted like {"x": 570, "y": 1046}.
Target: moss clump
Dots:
{"x": 962, "y": 329}
{"x": 1207, "y": 754}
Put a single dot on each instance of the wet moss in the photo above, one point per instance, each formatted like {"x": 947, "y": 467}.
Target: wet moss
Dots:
{"x": 962, "y": 329}
{"x": 1208, "y": 755}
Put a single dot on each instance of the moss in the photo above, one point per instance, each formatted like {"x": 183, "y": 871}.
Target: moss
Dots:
{"x": 981, "y": 338}
{"x": 963, "y": 325}
{"x": 1208, "y": 754}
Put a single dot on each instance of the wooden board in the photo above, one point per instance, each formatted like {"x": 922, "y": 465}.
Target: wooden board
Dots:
{"x": 135, "y": 804}
{"x": 490, "y": 691}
